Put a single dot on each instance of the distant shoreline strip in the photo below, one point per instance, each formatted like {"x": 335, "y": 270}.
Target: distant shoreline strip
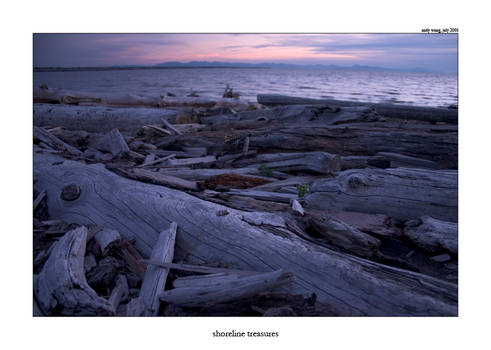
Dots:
{"x": 84, "y": 69}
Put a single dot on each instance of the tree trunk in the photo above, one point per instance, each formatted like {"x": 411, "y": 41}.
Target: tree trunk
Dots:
{"x": 99, "y": 119}
{"x": 403, "y": 193}
{"x": 241, "y": 240}
{"x": 429, "y": 114}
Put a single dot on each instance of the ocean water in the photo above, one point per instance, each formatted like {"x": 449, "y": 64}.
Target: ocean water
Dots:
{"x": 421, "y": 89}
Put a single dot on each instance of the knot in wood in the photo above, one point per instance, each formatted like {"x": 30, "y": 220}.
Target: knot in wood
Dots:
{"x": 356, "y": 181}
{"x": 70, "y": 192}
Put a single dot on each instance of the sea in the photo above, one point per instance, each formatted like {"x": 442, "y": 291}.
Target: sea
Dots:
{"x": 408, "y": 88}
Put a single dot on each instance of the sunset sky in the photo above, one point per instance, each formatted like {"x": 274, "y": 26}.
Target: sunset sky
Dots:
{"x": 403, "y": 51}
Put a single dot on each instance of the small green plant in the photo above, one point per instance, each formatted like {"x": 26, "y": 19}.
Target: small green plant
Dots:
{"x": 265, "y": 171}
{"x": 302, "y": 190}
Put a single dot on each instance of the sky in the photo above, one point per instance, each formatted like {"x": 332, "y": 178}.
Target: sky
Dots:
{"x": 436, "y": 52}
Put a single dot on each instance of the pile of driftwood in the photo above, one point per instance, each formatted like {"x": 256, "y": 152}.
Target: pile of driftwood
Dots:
{"x": 297, "y": 208}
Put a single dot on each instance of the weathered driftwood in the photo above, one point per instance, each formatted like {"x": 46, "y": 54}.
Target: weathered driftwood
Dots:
{"x": 429, "y": 114}
{"x": 240, "y": 240}
{"x": 119, "y": 292}
{"x": 61, "y": 286}
{"x": 345, "y": 236}
{"x": 433, "y": 235}
{"x": 159, "y": 178}
{"x": 292, "y": 181}
{"x": 54, "y": 142}
{"x": 158, "y": 129}
{"x": 99, "y": 118}
{"x": 105, "y": 237}
{"x": 405, "y": 161}
{"x": 200, "y": 269}
{"x": 113, "y": 142}
{"x": 265, "y": 196}
{"x": 315, "y": 162}
{"x": 171, "y": 127}
{"x": 404, "y": 193}
{"x": 152, "y": 161}
{"x": 438, "y": 143}
{"x": 377, "y": 224}
{"x": 221, "y": 289}
{"x": 156, "y": 276}
{"x": 191, "y": 161}
{"x": 203, "y": 174}
{"x": 48, "y": 95}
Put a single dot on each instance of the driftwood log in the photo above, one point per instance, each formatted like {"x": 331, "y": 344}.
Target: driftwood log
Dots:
{"x": 433, "y": 235}
{"x": 429, "y": 114}
{"x": 437, "y": 143}
{"x": 99, "y": 119}
{"x": 241, "y": 240}
{"x": 156, "y": 276}
{"x": 403, "y": 193}
{"x": 221, "y": 288}
{"x": 61, "y": 287}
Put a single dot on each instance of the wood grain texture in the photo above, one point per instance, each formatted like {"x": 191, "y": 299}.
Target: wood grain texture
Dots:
{"x": 433, "y": 235}
{"x": 155, "y": 276}
{"x": 222, "y": 289}
{"x": 61, "y": 287}
{"x": 429, "y": 114}
{"x": 240, "y": 240}
{"x": 404, "y": 193}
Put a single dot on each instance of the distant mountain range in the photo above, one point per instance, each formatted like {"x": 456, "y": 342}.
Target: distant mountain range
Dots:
{"x": 207, "y": 64}
{"x": 285, "y": 65}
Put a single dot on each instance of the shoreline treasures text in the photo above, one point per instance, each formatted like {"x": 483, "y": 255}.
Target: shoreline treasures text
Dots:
{"x": 233, "y": 333}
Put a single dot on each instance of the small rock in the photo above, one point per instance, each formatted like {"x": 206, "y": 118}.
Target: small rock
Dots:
{"x": 279, "y": 312}
{"x": 441, "y": 258}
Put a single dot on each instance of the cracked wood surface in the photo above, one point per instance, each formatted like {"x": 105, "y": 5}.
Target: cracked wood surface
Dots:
{"x": 403, "y": 193}
{"x": 241, "y": 240}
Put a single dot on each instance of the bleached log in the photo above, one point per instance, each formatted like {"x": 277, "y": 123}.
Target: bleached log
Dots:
{"x": 156, "y": 128}
{"x": 347, "y": 237}
{"x": 240, "y": 240}
{"x": 406, "y": 161}
{"x": 203, "y": 174}
{"x": 429, "y": 114}
{"x": 105, "y": 237}
{"x": 159, "y": 178}
{"x": 48, "y": 95}
{"x": 119, "y": 292}
{"x": 433, "y": 235}
{"x": 226, "y": 289}
{"x": 403, "y": 193}
{"x": 61, "y": 286}
{"x": 156, "y": 276}
{"x": 191, "y": 161}
{"x": 99, "y": 119}
{"x": 315, "y": 162}
{"x": 171, "y": 127}
{"x": 54, "y": 142}
{"x": 292, "y": 181}
{"x": 201, "y": 269}
{"x": 155, "y": 161}
{"x": 436, "y": 143}
{"x": 113, "y": 142}
{"x": 265, "y": 196}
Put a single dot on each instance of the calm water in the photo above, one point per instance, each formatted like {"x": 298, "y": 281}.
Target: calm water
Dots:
{"x": 429, "y": 89}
